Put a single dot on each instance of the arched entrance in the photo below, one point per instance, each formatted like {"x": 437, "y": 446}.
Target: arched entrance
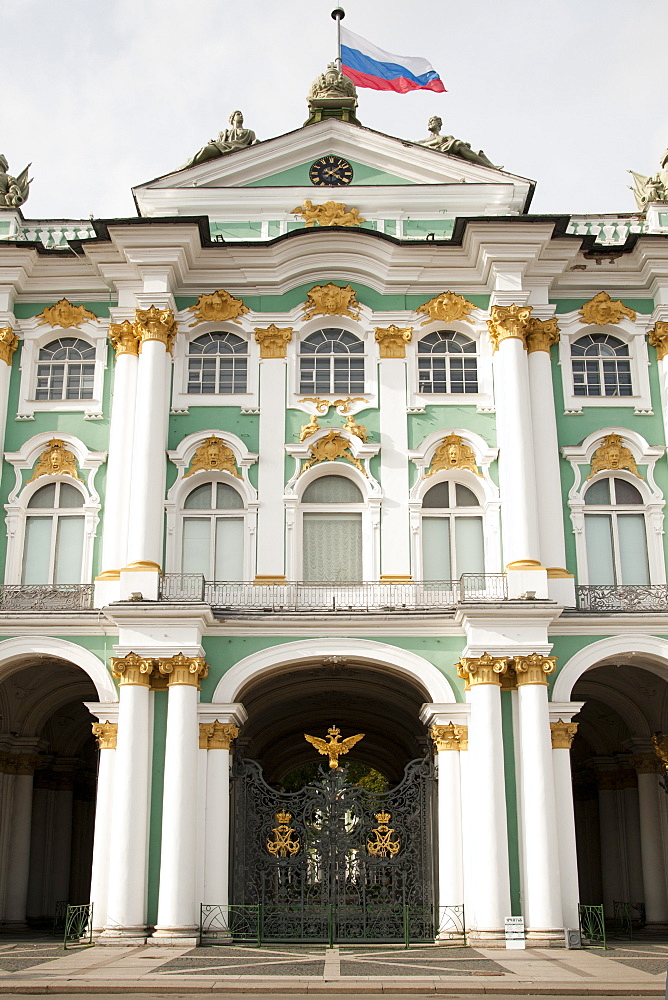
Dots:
{"x": 344, "y": 852}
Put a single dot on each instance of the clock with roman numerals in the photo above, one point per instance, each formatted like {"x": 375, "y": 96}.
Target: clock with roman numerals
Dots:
{"x": 330, "y": 171}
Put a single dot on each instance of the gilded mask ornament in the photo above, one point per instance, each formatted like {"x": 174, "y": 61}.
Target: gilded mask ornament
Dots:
{"x": 332, "y": 213}
{"x": 601, "y": 310}
{"x": 453, "y": 453}
{"x": 508, "y": 323}
{"x": 382, "y": 845}
{"x": 284, "y": 843}
{"x": 65, "y": 315}
{"x": 213, "y": 454}
{"x": 331, "y": 300}
{"x": 218, "y": 307}
{"x": 9, "y": 341}
{"x": 156, "y": 324}
{"x": 55, "y": 460}
{"x": 446, "y": 307}
{"x": 392, "y": 340}
{"x": 331, "y": 447}
{"x": 273, "y": 341}
{"x": 333, "y": 747}
{"x": 613, "y": 454}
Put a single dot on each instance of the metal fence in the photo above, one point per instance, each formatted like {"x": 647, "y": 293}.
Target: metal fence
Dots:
{"x": 327, "y": 597}
{"x": 78, "y": 924}
{"x": 46, "y": 597}
{"x": 592, "y": 926}
{"x": 623, "y": 597}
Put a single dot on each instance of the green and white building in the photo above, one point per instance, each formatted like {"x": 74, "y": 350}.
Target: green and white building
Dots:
{"x": 403, "y": 475}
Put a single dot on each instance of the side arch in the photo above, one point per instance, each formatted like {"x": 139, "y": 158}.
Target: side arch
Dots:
{"x": 19, "y": 648}
{"x": 652, "y": 649}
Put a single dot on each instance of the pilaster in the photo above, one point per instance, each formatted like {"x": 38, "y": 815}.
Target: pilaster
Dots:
{"x": 395, "y": 519}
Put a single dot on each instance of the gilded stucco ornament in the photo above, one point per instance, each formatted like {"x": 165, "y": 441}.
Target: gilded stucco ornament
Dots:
{"x": 55, "y": 460}
{"x": 273, "y": 340}
{"x": 541, "y": 334}
{"x": 455, "y": 147}
{"x": 333, "y": 746}
{"x": 9, "y": 341}
{"x": 309, "y": 429}
{"x": 124, "y": 338}
{"x": 450, "y": 737}
{"x": 14, "y": 191}
{"x": 331, "y": 300}
{"x": 485, "y": 669}
{"x": 182, "y": 669}
{"x": 392, "y": 340}
{"x": 331, "y": 213}
{"x": 65, "y": 315}
{"x": 612, "y": 454}
{"x": 324, "y": 405}
{"x": 381, "y": 845}
{"x": 357, "y": 430}
{"x": 453, "y": 453}
{"x": 562, "y": 734}
{"x": 602, "y": 310}
{"x": 133, "y": 669}
{"x": 213, "y": 454}
{"x": 534, "y": 668}
{"x": 658, "y": 337}
{"x": 230, "y": 139}
{"x": 105, "y": 733}
{"x": 331, "y": 447}
{"x": 217, "y": 735}
{"x": 446, "y": 307}
{"x": 660, "y": 744}
{"x": 217, "y": 307}
{"x": 156, "y": 324}
{"x": 508, "y": 323}
{"x": 649, "y": 189}
{"x": 284, "y": 844}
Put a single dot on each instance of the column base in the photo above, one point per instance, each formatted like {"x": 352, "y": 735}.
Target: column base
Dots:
{"x": 175, "y": 937}
{"x": 486, "y": 938}
{"x": 527, "y": 580}
{"x": 549, "y": 938}
{"x": 118, "y": 937}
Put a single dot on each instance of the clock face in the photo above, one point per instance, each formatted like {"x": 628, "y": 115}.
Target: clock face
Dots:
{"x": 330, "y": 171}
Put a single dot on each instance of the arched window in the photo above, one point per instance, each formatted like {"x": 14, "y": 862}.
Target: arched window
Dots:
{"x": 54, "y": 535}
{"x": 601, "y": 366}
{"x": 217, "y": 364}
{"x": 331, "y": 361}
{"x": 332, "y": 532}
{"x": 452, "y": 532}
{"x": 65, "y": 370}
{"x": 213, "y": 532}
{"x": 447, "y": 363}
{"x": 615, "y": 533}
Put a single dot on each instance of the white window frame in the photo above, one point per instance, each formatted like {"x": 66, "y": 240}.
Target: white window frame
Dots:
{"x": 239, "y": 513}
{"x": 182, "y": 400}
{"x": 452, "y": 514}
{"x": 483, "y": 400}
{"x": 359, "y": 329}
{"x": 35, "y": 337}
{"x": 633, "y": 334}
{"x": 55, "y": 515}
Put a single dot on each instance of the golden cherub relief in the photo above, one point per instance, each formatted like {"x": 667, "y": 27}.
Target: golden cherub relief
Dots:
{"x": 218, "y": 307}
{"x": 612, "y": 454}
{"x": 602, "y": 310}
{"x": 213, "y": 455}
{"x": 331, "y": 300}
{"x": 55, "y": 460}
{"x": 453, "y": 453}
{"x": 332, "y": 213}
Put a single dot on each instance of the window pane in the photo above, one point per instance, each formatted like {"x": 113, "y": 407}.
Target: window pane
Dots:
{"x": 332, "y": 489}
{"x": 626, "y": 492}
{"x": 469, "y": 548}
{"x": 436, "y": 548}
{"x": 196, "y": 552}
{"x": 37, "y": 550}
{"x": 69, "y": 550}
{"x": 46, "y": 497}
{"x": 229, "y": 564}
{"x": 227, "y": 498}
{"x": 465, "y": 496}
{"x": 598, "y": 535}
{"x": 199, "y": 499}
{"x": 69, "y": 496}
{"x": 437, "y": 496}
{"x": 633, "y": 548}
{"x": 332, "y": 548}
{"x": 598, "y": 492}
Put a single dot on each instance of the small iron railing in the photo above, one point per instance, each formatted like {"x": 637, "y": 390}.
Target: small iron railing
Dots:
{"x": 623, "y": 597}
{"x": 450, "y": 925}
{"x": 59, "y": 915}
{"x": 592, "y": 926}
{"x": 46, "y": 597}
{"x": 342, "y": 597}
{"x": 224, "y": 922}
{"x": 78, "y": 924}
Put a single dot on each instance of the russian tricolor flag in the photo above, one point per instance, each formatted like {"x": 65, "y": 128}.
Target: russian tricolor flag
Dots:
{"x": 368, "y": 66}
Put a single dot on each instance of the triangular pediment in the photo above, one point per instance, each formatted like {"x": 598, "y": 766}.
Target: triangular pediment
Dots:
{"x": 271, "y": 174}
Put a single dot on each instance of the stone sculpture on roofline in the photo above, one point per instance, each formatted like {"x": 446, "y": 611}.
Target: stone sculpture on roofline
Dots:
{"x": 230, "y": 139}
{"x": 649, "y": 189}
{"x": 14, "y": 191}
{"x": 455, "y": 147}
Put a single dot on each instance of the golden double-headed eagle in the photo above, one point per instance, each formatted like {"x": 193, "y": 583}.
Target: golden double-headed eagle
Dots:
{"x": 333, "y": 747}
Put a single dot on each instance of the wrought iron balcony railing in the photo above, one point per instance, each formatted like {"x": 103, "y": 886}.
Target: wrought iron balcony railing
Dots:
{"x": 623, "y": 597}
{"x": 342, "y": 597}
{"x": 46, "y": 597}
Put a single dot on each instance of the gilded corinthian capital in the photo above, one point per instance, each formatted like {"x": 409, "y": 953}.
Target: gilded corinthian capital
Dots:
{"x": 181, "y": 669}
{"x": 105, "y": 733}
{"x": 124, "y": 338}
{"x": 133, "y": 669}
{"x": 392, "y": 340}
{"x": 563, "y": 734}
{"x": 156, "y": 324}
{"x": 508, "y": 323}
{"x": 9, "y": 341}
{"x": 541, "y": 334}
{"x": 450, "y": 737}
{"x": 658, "y": 337}
{"x": 217, "y": 735}
{"x": 483, "y": 669}
{"x": 533, "y": 669}
{"x": 273, "y": 340}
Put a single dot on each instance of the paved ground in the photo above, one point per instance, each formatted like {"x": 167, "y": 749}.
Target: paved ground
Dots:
{"x": 39, "y": 966}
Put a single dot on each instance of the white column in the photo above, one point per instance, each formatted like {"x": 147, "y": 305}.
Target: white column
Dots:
{"x": 563, "y": 732}
{"x": 517, "y": 473}
{"x": 629, "y": 796}
{"x": 540, "y": 851}
{"x": 106, "y": 734}
{"x": 178, "y": 920}
{"x": 450, "y": 741}
{"x": 58, "y": 874}
{"x": 16, "y": 898}
{"x": 613, "y": 867}
{"x": 126, "y": 900}
{"x": 395, "y": 523}
{"x": 271, "y": 471}
{"x": 488, "y": 875}
{"x": 217, "y": 737}
{"x": 651, "y": 846}
{"x": 561, "y": 584}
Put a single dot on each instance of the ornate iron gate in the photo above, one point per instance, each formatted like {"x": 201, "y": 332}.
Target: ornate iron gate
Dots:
{"x": 334, "y": 861}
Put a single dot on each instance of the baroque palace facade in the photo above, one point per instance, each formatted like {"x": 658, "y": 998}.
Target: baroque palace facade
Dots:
{"x": 388, "y": 459}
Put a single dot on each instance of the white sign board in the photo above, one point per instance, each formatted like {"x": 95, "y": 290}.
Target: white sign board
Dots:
{"x": 514, "y": 927}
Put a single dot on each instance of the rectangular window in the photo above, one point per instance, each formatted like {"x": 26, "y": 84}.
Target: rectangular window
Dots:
{"x": 229, "y": 549}
{"x": 196, "y": 551}
{"x": 436, "y": 548}
{"x": 332, "y": 548}
{"x": 600, "y": 562}
{"x": 69, "y": 550}
{"x": 469, "y": 547}
{"x": 633, "y": 548}
{"x": 37, "y": 550}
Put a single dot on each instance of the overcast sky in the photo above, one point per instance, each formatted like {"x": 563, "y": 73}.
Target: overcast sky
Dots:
{"x": 103, "y": 94}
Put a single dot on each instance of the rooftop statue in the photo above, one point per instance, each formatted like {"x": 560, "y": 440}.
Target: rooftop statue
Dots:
{"x": 654, "y": 188}
{"x": 332, "y": 84}
{"x": 236, "y": 137}
{"x": 13, "y": 190}
{"x": 455, "y": 147}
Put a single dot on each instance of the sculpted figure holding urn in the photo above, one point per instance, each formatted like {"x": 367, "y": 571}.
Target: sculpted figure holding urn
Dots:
{"x": 455, "y": 147}
{"x": 235, "y": 137}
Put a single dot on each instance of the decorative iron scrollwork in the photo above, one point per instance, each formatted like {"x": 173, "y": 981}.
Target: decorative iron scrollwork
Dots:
{"x": 383, "y": 845}
{"x": 283, "y": 846}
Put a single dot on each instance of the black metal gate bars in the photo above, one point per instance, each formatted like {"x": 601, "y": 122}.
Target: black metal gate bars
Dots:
{"x": 333, "y": 861}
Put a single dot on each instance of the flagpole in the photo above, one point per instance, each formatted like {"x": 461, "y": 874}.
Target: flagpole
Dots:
{"x": 338, "y": 14}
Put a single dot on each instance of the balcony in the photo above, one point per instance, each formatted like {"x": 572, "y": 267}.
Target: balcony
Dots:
{"x": 439, "y": 595}
{"x": 623, "y": 597}
{"x": 46, "y": 597}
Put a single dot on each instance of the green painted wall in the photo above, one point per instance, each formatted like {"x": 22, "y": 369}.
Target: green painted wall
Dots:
{"x": 367, "y": 296}
{"x": 510, "y": 782}
{"x": 155, "y": 812}
{"x": 571, "y": 305}
{"x": 25, "y": 310}
{"x": 223, "y": 418}
{"x": 299, "y": 177}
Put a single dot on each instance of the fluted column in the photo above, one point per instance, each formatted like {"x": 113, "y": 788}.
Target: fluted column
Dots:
{"x": 450, "y": 740}
{"x": 508, "y": 327}
{"x": 126, "y": 900}
{"x": 217, "y": 738}
{"x": 490, "y": 888}
{"x": 651, "y": 846}
{"x": 177, "y": 899}
{"x": 540, "y": 850}
{"x": 106, "y": 735}
{"x": 21, "y": 767}
{"x": 541, "y": 334}
{"x": 395, "y": 521}
{"x": 271, "y": 469}
{"x": 125, "y": 341}
{"x": 155, "y": 329}
{"x": 613, "y": 861}
{"x": 562, "y": 735}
